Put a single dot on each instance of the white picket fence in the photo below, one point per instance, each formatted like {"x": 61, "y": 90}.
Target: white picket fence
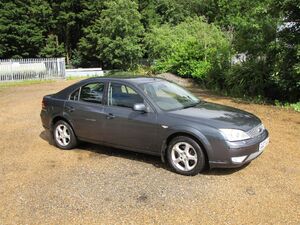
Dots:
{"x": 32, "y": 69}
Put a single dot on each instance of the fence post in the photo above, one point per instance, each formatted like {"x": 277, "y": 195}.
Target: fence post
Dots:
{"x": 11, "y": 70}
{"x": 63, "y": 63}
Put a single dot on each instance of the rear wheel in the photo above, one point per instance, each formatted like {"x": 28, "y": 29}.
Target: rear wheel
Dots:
{"x": 64, "y": 136}
{"x": 185, "y": 156}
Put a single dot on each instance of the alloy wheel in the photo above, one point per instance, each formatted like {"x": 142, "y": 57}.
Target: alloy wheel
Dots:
{"x": 62, "y": 135}
{"x": 184, "y": 156}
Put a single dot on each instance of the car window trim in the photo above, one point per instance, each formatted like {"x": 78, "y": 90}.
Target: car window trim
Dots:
{"x": 94, "y": 103}
{"x": 168, "y": 110}
{"x": 69, "y": 98}
{"x": 103, "y": 102}
{"x": 133, "y": 88}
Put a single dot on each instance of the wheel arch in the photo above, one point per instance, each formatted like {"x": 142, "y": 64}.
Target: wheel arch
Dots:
{"x": 193, "y": 134}
{"x": 58, "y": 118}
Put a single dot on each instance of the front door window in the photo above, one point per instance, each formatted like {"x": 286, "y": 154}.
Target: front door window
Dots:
{"x": 123, "y": 96}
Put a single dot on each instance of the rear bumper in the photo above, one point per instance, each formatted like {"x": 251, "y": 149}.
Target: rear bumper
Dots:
{"x": 45, "y": 119}
{"x": 242, "y": 152}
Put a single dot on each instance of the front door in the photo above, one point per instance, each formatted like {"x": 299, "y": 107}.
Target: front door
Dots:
{"x": 125, "y": 127}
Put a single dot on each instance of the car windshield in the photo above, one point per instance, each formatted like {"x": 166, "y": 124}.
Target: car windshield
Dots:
{"x": 169, "y": 96}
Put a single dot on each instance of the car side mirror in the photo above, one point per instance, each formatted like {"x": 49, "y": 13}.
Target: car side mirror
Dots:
{"x": 140, "y": 107}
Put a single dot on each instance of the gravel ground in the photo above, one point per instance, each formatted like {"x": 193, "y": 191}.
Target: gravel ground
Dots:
{"x": 40, "y": 184}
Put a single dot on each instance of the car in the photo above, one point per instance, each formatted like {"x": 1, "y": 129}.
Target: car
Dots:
{"x": 154, "y": 116}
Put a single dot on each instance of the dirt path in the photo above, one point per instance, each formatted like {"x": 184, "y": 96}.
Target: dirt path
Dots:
{"x": 40, "y": 184}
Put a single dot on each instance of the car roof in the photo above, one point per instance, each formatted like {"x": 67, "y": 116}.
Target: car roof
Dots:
{"x": 63, "y": 94}
{"x": 135, "y": 80}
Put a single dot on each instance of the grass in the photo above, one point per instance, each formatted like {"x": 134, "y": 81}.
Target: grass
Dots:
{"x": 78, "y": 77}
{"x": 294, "y": 106}
{"x": 24, "y": 82}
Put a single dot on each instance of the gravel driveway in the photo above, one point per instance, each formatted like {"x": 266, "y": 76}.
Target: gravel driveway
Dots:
{"x": 40, "y": 184}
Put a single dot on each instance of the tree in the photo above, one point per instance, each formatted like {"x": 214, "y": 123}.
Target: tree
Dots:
{"x": 253, "y": 27}
{"x": 23, "y": 26}
{"x": 52, "y": 47}
{"x": 66, "y": 23}
{"x": 157, "y": 12}
{"x": 115, "y": 37}
{"x": 285, "y": 79}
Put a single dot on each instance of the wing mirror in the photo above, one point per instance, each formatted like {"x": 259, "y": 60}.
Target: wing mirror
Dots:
{"x": 140, "y": 107}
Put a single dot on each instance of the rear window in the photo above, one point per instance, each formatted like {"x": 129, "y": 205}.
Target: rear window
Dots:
{"x": 92, "y": 92}
{"x": 75, "y": 95}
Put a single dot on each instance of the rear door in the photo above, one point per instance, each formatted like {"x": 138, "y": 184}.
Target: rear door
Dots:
{"x": 85, "y": 110}
{"x": 125, "y": 127}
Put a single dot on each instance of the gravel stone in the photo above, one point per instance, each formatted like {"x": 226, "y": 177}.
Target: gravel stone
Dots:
{"x": 92, "y": 184}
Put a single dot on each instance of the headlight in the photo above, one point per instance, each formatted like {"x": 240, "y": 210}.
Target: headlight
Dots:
{"x": 234, "y": 134}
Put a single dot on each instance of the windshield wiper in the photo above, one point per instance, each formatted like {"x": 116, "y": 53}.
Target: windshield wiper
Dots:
{"x": 191, "y": 105}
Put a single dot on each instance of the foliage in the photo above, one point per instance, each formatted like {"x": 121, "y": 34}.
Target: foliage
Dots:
{"x": 190, "y": 38}
{"x": 294, "y": 106}
{"x": 21, "y": 27}
{"x": 52, "y": 48}
{"x": 77, "y": 59}
{"x": 192, "y": 48}
{"x": 115, "y": 37}
{"x": 268, "y": 33}
{"x": 285, "y": 80}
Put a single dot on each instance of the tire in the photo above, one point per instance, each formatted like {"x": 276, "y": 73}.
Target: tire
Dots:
{"x": 185, "y": 156}
{"x": 63, "y": 135}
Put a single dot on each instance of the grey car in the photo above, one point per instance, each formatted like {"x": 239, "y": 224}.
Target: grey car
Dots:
{"x": 156, "y": 117}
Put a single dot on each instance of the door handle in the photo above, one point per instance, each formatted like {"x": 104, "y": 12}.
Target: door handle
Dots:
{"x": 110, "y": 116}
{"x": 70, "y": 108}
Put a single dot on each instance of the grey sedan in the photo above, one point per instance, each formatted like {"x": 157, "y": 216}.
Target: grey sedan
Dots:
{"x": 156, "y": 117}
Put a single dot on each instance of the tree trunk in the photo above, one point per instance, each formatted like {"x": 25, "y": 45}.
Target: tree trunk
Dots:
{"x": 67, "y": 46}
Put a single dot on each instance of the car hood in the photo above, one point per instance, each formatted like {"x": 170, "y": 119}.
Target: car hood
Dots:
{"x": 218, "y": 116}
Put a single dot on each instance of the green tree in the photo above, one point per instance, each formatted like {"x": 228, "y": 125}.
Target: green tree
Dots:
{"x": 192, "y": 48}
{"x": 52, "y": 48}
{"x": 23, "y": 25}
{"x": 90, "y": 11}
{"x": 157, "y": 12}
{"x": 66, "y": 23}
{"x": 267, "y": 32}
{"x": 115, "y": 37}
{"x": 285, "y": 80}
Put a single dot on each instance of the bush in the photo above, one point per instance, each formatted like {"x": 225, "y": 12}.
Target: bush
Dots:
{"x": 246, "y": 79}
{"x": 193, "y": 48}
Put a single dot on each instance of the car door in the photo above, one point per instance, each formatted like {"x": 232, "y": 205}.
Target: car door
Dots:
{"x": 85, "y": 110}
{"x": 125, "y": 127}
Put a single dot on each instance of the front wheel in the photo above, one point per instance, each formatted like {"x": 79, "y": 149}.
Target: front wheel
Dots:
{"x": 185, "y": 156}
{"x": 64, "y": 136}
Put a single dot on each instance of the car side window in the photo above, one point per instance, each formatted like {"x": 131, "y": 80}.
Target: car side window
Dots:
{"x": 74, "y": 96}
{"x": 92, "y": 92}
{"x": 123, "y": 96}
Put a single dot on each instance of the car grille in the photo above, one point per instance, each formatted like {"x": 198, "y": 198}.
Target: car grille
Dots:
{"x": 256, "y": 130}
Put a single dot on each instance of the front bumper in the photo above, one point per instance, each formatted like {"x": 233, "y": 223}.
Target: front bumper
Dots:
{"x": 241, "y": 152}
